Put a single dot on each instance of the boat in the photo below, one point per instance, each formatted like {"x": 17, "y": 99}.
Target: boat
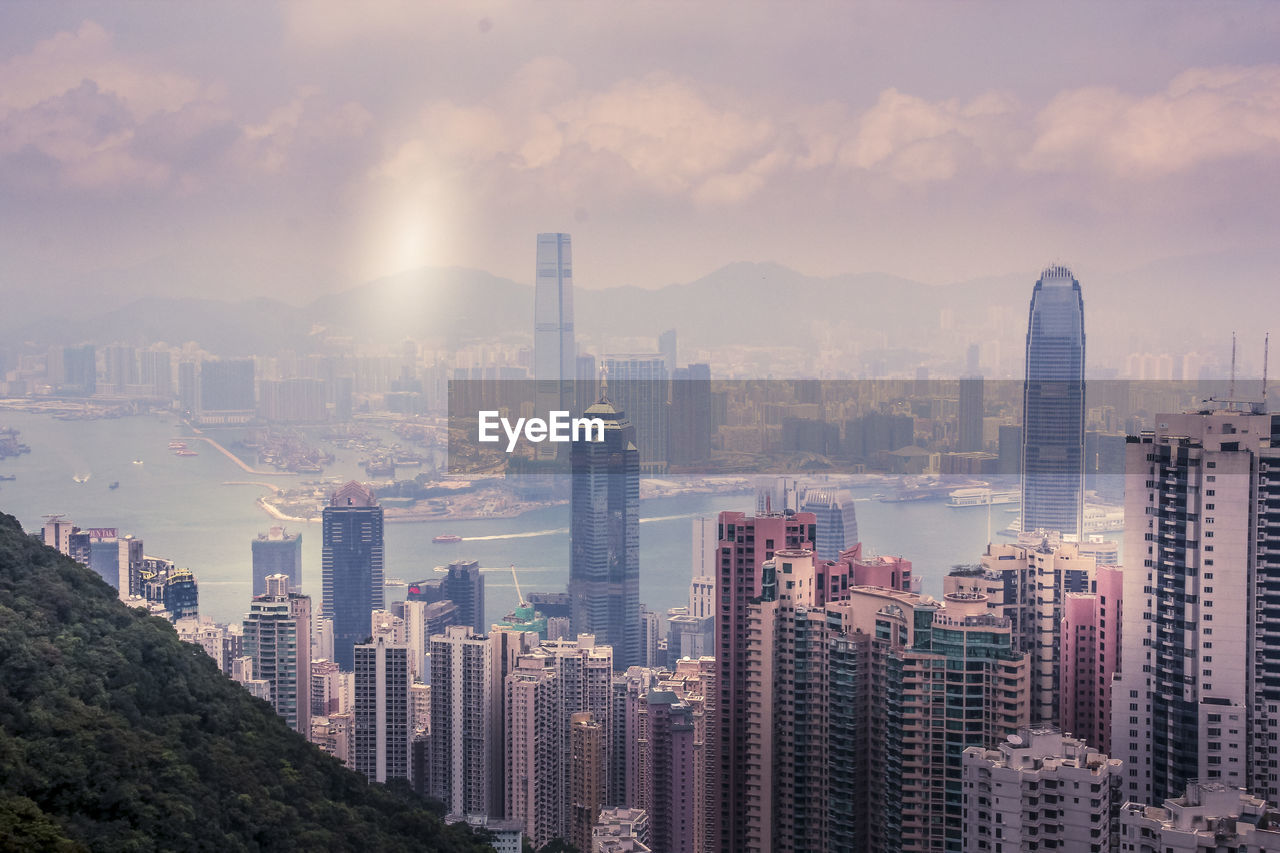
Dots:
{"x": 6, "y": 477}
{"x": 137, "y": 462}
{"x": 185, "y": 453}
{"x": 115, "y": 484}
{"x": 446, "y": 539}
{"x": 983, "y": 497}
{"x": 177, "y": 445}
{"x": 81, "y": 478}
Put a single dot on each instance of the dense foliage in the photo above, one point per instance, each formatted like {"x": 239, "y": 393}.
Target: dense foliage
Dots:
{"x": 115, "y": 735}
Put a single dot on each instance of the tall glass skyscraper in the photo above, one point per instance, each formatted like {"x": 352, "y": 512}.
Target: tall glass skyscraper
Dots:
{"x": 1053, "y": 407}
{"x": 604, "y": 561}
{"x": 352, "y": 566}
{"x": 554, "y": 351}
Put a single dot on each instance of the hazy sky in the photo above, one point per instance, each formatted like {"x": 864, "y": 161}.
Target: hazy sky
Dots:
{"x": 285, "y": 149}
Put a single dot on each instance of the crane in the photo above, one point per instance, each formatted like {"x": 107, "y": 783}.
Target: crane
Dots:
{"x": 519, "y": 596}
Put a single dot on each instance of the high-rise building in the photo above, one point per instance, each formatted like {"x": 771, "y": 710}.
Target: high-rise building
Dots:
{"x": 381, "y": 745}
{"x": 669, "y": 760}
{"x": 464, "y": 586}
{"x": 969, "y": 432}
{"x": 837, "y": 521}
{"x": 745, "y": 543}
{"x": 1210, "y": 816}
{"x": 1198, "y": 694}
{"x": 638, "y": 387}
{"x": 352, "y": 566}
{"x": 587, "y": 776}
{"x": 880, "y": 692}
{"x": 466, "y": 753}
{"x": 1053, "y": 407}
{"x": 554, "y": 349}
{"x": 1040, "y": 787}
{"x": 277, "y": 553}
{"x": 226, "y": 391}
{"x": 690, "y": 417}
{"x": 1090, "y": 651}
{"x": 604, "y": 561}
{"x": 277, "y": 636}
{"x": 535, "y": 747}
{"x": 80, "y": 370}
{"x": 667, "y": 347}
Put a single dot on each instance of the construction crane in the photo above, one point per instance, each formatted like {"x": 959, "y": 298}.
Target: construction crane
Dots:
{"x": 520, "y": 602}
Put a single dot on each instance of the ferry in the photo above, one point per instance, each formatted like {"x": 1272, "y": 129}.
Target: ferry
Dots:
{"x": 983, "y": 497}
{"x": 446, "y": 538}
{"x": 115, "y": 484}
{"x": 1097, "y": 519}
{"x": 177, "y": 445}
{"x": 185, "y": 453}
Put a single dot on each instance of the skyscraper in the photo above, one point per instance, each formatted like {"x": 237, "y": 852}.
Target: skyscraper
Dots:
{"x": 277, "y": 635}
{"x": 969, "y": 434}
{"x": 554, "y": 350}
{"x": 464, "y": 586}
{"x": 381, "y": 689}
{"x": 1198, "y": 694}
{"x": 465, "y": 769}
{"x": 1053, "y": 406}
{"x": 277, "y": 553}
{"x": 351, "y": 563}
{"x": 745, "y": 543}
{"x": 604, "y": 529}
{"x": 837, "y": 521}
{"x": 638, "y": 387}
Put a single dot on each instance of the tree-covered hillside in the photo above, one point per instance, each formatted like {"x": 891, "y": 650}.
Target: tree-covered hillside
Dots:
{"x": 115, "y": 735}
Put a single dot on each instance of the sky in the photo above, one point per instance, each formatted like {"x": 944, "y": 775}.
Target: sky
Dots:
{"x": 288, "y": 149}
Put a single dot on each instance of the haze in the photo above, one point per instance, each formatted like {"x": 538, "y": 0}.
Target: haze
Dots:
{"x": 291, "y": 150}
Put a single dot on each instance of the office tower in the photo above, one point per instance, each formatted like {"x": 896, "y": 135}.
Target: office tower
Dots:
{"x": 173, "y": 589}
{"x": 690, "y": 417}
{"x": 1091, "y": 642}
{"x": 1209, "y": 816}
{"x": 587, "y": 776}
{"x": 226, "y": 391}
{"x": 80, "y": 370}
{"x": 689, "y": 636}
{"x": 1040, "y": 788}
{"x": 837, "y": 521}
{"x": 969, "y": 433}
{"x": 1198, "y": 695}
{"x": 277, "y": 553}
{"x": 277, "y": 632}
{"x": 554, "y": 350}
{"x": 351, "y": 563}
{"x": 702, "y": 589}
{"x": 667, "y": 348}
{"x": 604, "y": 529}
{"x": 1009, "y": 450}
{"x": 744, "y": 543}
{"x": 56, "y": 534}
{"x": 587, "y": 385}
{"x": 466, "y": 752}
{"x": 422, "y": 621}
{"x": 381, "y": 749}
{"x": 189, "y": 386}
{"x": 464, "y": 586}
{"x": 1053, "y": 407}
{"x": 117, "y": 559}
{"x": 638, "y": 388}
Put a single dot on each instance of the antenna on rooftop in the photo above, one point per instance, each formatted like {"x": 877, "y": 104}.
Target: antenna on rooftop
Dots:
{"x": 1266, "y": 358}
{"x": 1231, "y": 389}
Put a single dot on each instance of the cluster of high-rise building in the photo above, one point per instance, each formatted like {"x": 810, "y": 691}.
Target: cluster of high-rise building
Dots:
{"x": 808, "y": 697}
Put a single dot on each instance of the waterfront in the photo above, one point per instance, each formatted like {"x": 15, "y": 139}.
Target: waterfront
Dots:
{"x": 201, "y": 512}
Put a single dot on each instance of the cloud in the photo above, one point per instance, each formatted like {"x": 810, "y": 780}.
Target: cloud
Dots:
{"x": 76, "y": 114}
{"x": 1204, "y": 115}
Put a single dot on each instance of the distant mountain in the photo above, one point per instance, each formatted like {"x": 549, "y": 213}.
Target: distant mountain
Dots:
{"x": 115, "y": 735}
{"x": 1158, "y": 306}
